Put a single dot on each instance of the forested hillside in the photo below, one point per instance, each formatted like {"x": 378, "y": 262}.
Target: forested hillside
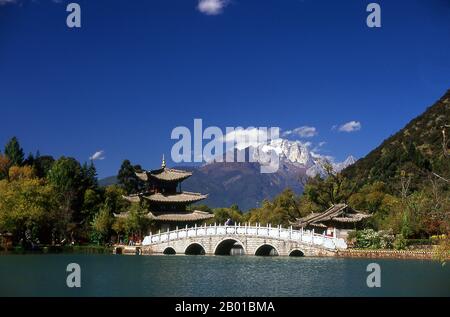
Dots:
{"x": 416, "y": 151}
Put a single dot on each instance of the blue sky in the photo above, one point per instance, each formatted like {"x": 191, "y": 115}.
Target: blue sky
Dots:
{"x": 137, "y": 69}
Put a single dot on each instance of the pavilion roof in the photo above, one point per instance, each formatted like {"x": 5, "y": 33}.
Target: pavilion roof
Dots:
{"x": 182, "y": 216}
{"x": 338, "y": 213}
{"x": 164, "y": 174}
{"x": 183, "y": 197}
{"x": 195, "y": 215}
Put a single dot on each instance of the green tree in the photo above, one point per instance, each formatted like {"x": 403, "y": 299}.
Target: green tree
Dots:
{"x": 375, "y": 199}
{"x": 221, "y": 215}
{"x": 136, "y": 221}
{"x": 120, "y": 228}
{"x": 127, "y": 178}
{"x": 113, "y": 197}
{"x": 102, "y": 225}
{"x": 14, "y": 152}
{"x": 29, "y": 160}
{"x": 66, "y": 175}
{"x": 282, "y": 210}
{"x": 370, "y": 197}
{"x": 92, "y": 202}
{"x": 89, "y": 176}
{"x": 66, "y": 178}
{"x": 26, "y": 204}
{"x": 332, "y": 190}
{"x": 43, "y": 164}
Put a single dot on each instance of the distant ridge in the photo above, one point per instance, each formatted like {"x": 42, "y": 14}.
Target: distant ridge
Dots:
{"x": 107, "y": 181}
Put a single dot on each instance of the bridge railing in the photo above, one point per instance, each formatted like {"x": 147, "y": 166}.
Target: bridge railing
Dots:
{"x": 304, "y": 236}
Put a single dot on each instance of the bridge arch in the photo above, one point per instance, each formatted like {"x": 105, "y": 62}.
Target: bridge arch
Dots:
{"x": 296, "y": 253}
{"x": 169, "y": 250}
{"x": 266, "y": 249}
{"x": 195, "y": 248}
{"x": 225, "y": 246}
{"x": 222, "y": 239}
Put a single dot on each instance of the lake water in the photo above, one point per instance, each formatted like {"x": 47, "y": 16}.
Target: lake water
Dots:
{"x": 116, "y": 275}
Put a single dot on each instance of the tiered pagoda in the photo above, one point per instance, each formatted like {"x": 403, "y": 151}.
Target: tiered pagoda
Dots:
{"x": 166, "y": 201}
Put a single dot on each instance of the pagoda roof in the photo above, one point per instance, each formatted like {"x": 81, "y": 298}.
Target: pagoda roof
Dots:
{"x": 183, "y": 197}
{"x": 135, "y": 198}
{"x": 338, "y": 213}
{"x": 182, "y": 216}
{"x": 142, "y": 176}
{"x": 164, "y": 174}
{"x": 195, "y": 215}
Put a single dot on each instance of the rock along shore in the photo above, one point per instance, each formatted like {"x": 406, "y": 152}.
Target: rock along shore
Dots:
{"x": 398, "y": 254}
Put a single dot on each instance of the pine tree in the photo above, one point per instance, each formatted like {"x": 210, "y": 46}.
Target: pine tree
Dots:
{"x": 14, "y": 152}
{"x": 29, "y": 160}
{"x": 89, "y": 174}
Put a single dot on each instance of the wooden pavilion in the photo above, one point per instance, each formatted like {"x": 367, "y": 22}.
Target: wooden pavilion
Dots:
{"x": 337, "y": 221}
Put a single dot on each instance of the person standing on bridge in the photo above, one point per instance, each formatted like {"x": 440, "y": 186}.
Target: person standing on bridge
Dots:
{"x": 229, "y": 222}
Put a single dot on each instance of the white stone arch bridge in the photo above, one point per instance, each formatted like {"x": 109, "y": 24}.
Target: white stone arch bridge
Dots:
{"x": 250, "y": 240}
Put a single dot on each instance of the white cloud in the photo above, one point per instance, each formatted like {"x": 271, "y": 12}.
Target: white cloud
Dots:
{"x": 244, "y": 138}
{"x": 350, "y": 126}
{"x": 307, "y": 144}
{"x": 99, "y": 155}
{"x": 319, "y": 146}
{"x": 304, "y": 132}
{"x": 212, "y": 7}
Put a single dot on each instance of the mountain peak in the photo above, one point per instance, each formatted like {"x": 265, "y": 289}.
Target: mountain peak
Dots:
{"x": 296, "y": 155}
{"x": 350, "y": 160}
{"x": 288, "y": 151}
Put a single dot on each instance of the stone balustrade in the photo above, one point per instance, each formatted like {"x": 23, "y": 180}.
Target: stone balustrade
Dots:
{"x": 250, "y": 237}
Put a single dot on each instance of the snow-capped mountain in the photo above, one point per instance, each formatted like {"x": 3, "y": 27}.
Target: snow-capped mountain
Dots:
{"x": 293, "y": 152}
{"x": 347, "y": 162}
{"x": 296, "y": 153}
{"x": 319, "y": 167}
{"x": 243, "y": 183}
{"x": 293, "y": 155}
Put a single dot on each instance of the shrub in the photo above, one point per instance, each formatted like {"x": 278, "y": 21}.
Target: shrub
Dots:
{"x": 411, "y": 242}
{"x": 400, "y": 242}
{"x": 386, "y": 238}
{"x": 371, "y": 239}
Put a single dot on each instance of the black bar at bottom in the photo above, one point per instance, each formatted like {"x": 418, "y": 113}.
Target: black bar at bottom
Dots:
{"x": 213, "y": 305}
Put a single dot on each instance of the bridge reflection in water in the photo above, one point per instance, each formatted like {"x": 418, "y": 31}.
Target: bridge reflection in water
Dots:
{"x": 242, "y": 240}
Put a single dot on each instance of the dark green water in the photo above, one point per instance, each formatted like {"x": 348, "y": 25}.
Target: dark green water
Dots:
{"x": 110, "y": 275}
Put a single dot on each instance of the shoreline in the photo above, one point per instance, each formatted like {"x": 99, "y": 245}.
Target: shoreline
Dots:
{"x": 58, "y": 249}
{"x": 421, "y": 254}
